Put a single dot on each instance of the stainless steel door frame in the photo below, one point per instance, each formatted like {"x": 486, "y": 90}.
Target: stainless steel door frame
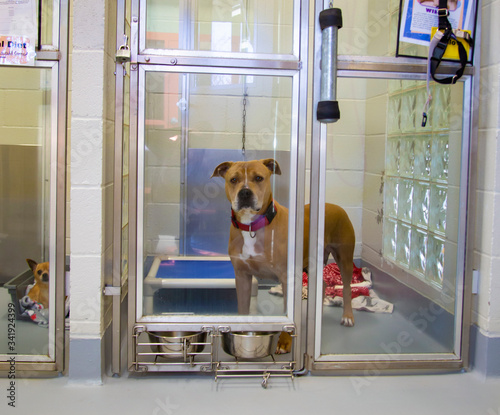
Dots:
{"x": 140, "y": 177}
{"x": 119, "y": 287}
{"x": 50, "y": 142}
{"x": 58, "y": 212}
{"x": 351, "y": 363}
{"x": 395, "y": 68}
{"x": 144, "y": 60}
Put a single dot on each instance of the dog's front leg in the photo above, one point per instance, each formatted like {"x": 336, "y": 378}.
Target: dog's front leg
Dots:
{"x": 243, "y": 292}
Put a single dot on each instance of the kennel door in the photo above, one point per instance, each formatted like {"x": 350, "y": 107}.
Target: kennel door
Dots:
{"x": 214, "y": 82}
{"x": 230, "y": 92}
{"x": 32, "y": 219}
{"x": 405, "y": 188}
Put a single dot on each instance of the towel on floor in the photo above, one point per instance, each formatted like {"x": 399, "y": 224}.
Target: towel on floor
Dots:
{"x": 35, "y": 311}
{"x": 363, "y": 296}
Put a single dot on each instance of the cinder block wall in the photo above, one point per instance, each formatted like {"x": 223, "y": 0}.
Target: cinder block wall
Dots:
{"x": 486, "y": 308}
{"x": 92, "y": 112}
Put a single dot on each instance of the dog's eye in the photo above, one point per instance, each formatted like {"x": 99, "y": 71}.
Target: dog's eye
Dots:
{"x": 39, "y": 272}
{"x": 258, "y": 178}
{"x": 234, "y": 180}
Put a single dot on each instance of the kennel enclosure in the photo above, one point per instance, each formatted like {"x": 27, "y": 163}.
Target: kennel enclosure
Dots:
{"x": 212, "y": 82}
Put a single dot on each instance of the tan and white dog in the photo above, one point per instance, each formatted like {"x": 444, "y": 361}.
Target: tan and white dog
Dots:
{"x": 40, "y": 291}
{"x": 258, "y": 238}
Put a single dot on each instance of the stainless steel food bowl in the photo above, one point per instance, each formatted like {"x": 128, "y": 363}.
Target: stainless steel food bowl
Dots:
{"x": 181, "y": 343}
{"x": 248, "y": 344}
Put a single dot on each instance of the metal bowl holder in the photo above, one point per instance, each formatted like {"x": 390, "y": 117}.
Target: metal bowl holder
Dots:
{"x": 239, "y": 368}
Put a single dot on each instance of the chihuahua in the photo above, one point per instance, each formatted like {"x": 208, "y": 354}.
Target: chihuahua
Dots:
{"x": 40, "y": 291}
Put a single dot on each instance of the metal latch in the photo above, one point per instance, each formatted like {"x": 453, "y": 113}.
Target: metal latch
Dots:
{"x": 123, "y": 54}
{"x": 110, "y": 290}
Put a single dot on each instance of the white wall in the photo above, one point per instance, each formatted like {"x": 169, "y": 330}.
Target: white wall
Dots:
{"x": 487, "y": 247}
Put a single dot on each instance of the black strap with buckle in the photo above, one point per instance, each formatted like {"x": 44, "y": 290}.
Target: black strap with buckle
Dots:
{"x": 443, "y": 14}
{"x": 439, "y": 50}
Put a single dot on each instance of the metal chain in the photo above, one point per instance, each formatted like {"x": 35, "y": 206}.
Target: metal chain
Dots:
{"x": 244, "y": 119}
{"x": 245, "y": 95}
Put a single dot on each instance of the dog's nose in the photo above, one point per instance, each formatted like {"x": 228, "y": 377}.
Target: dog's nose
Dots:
{"x": 245, "y": 193}
{"x": 45, "y": 277}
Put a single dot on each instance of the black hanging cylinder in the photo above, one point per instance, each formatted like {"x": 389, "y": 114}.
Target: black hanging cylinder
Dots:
{"x": 330, "y": 21}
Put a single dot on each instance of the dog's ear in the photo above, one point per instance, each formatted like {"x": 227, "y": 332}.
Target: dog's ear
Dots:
{"x": 32, "y": 264}
{"x": 272, "y": 165}
{"x": 221, "y": 169}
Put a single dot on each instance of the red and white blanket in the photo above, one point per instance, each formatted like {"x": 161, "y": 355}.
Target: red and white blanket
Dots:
{"x": 363, "y": 296}
{"x": 360, "y": 284}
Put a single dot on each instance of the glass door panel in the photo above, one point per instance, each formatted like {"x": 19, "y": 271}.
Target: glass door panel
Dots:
{"x": 403, "y": 187}
{"x": 193, "y": 122}
{"x": 369, "y": 28}
{"x": 233, "y": 26}
{"x": 27, "y": 101}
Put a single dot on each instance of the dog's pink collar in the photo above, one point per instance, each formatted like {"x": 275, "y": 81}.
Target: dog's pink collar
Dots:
{"x": 260, "y": 222}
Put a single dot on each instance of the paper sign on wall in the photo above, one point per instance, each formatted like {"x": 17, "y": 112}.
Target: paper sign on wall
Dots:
{"x": 18, "y": 32}
{"x": 420, "y": 16}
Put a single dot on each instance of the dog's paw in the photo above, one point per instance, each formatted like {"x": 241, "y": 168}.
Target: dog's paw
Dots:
{"x": 284, "y": 343}
{"x": 347, "y": 321}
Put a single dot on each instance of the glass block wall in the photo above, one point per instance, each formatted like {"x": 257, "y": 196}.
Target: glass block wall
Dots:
{"x": 416, "y": 180}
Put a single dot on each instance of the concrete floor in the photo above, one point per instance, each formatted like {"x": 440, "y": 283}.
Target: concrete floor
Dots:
{"x": 372, "y": 331}
{"x": 448, "y": 394}
{"x": 461, "y": 393}
{"x": 29, "y": 336}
